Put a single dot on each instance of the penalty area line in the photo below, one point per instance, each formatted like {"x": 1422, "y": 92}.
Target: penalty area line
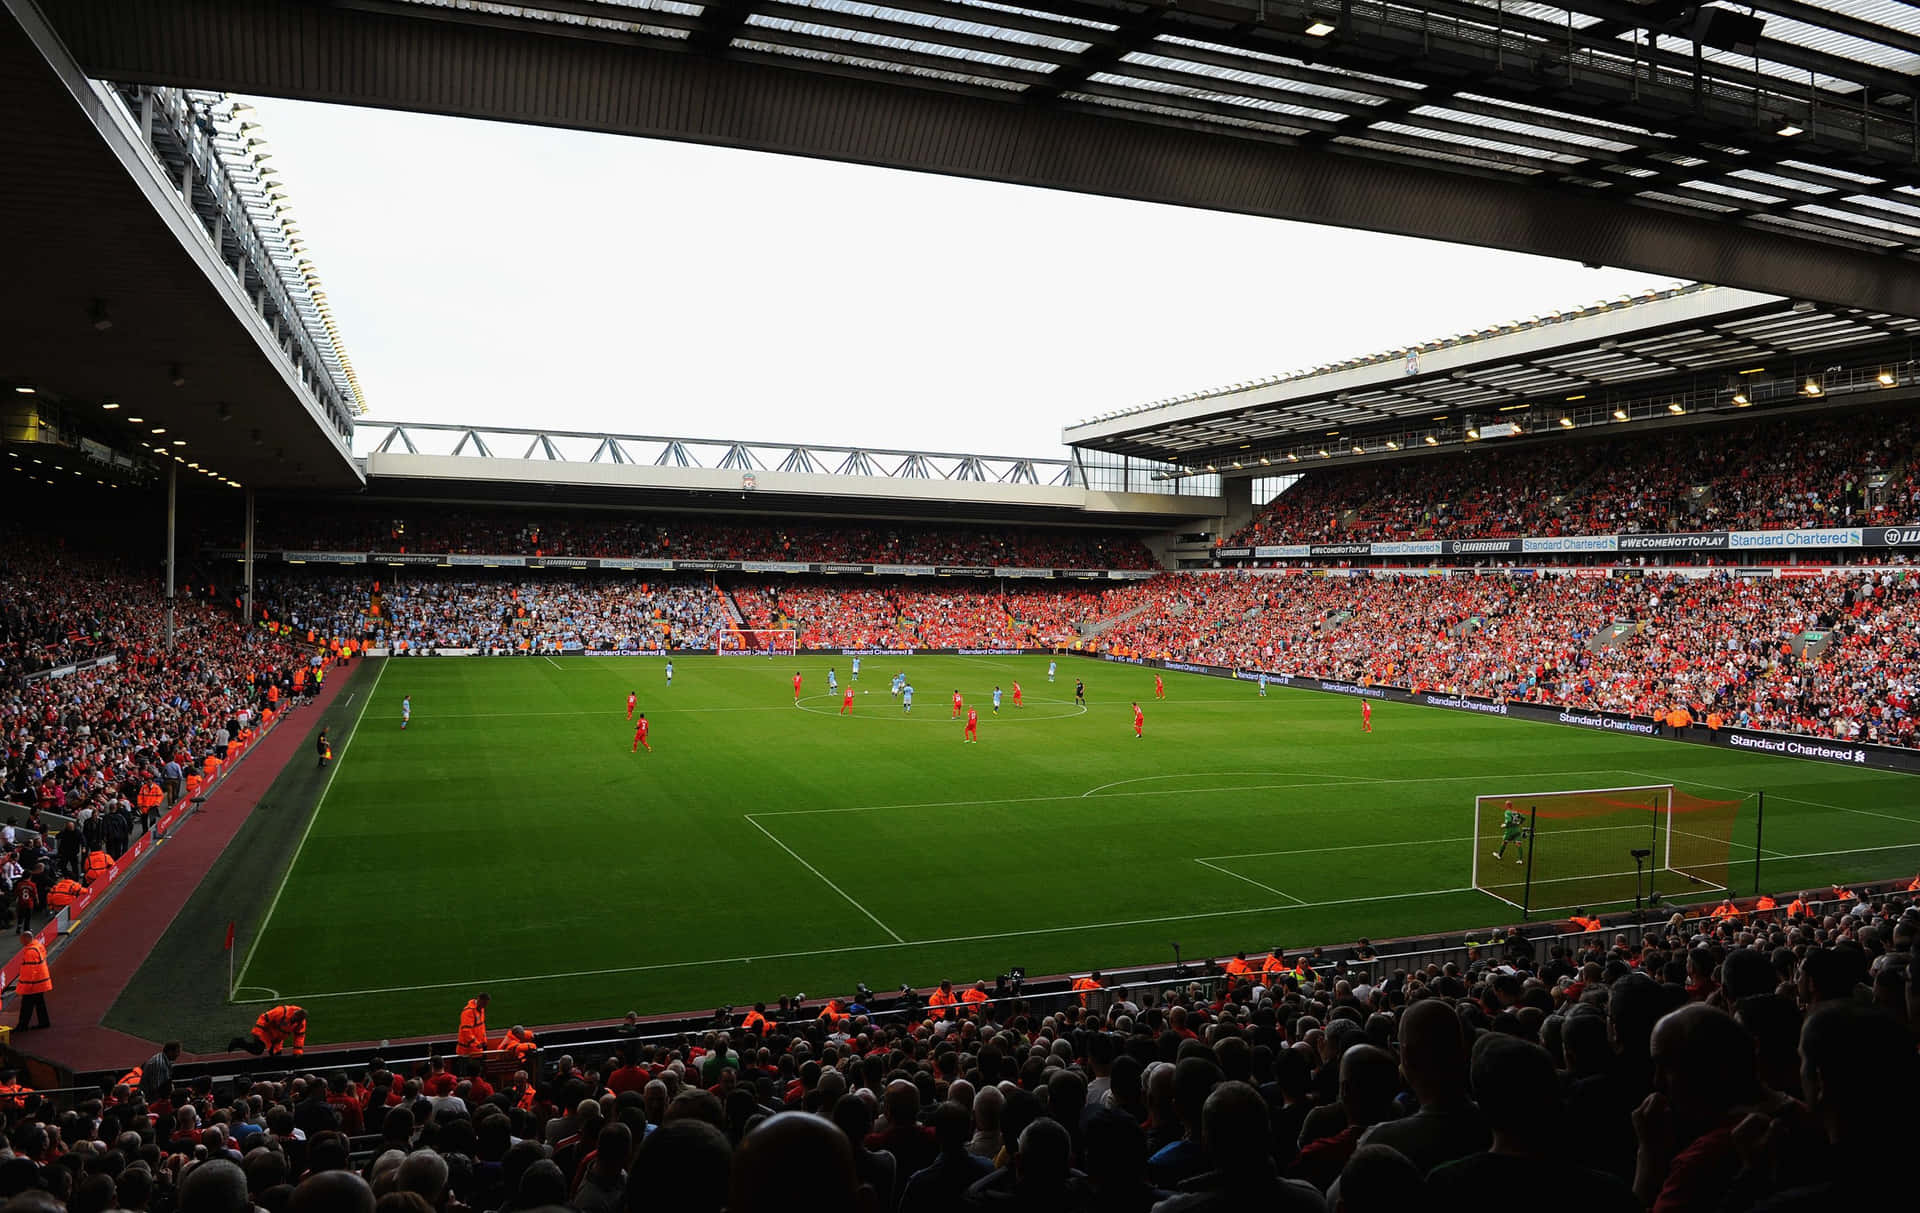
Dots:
{"x": 1250, "y": 880}
{"x": 847, "y": 897}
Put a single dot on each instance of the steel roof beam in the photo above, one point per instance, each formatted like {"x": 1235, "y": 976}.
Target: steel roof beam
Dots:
{"x": 1771, "y": 49}
{"x": 574, "y": 77}
{"x": 1839, "y": 23}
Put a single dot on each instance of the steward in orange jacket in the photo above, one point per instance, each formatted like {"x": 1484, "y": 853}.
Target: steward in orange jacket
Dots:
{"x": 99, "y": 864}
{"x": 472, "y": 1041}
{"x": 35, "y": 981}
{"x": 974, "y": 995}
{"x": 516, "y": 1044}
{"x": 1084, "y": 986}
{"x": 1237, "y": 970}
{"x": 282, "y": 1028}
{"x": 940, "y": 1000}
{"x": 757, "y": 1021}
{"x": 63, "y": 893}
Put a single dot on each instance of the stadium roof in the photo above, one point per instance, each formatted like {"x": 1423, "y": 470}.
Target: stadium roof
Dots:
{"x": 430, "y": 460}
{"x": 1778, "y": 151}
{"x": 144, "y": 323}
{"x": 1670, "y": 353}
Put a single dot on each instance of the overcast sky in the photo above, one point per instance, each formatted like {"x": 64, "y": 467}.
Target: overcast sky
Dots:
{"x": 504, "y": 275}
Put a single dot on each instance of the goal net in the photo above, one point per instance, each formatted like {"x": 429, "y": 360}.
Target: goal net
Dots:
{"x": 753, "y": 642}
{"x": 1546, "y": 852}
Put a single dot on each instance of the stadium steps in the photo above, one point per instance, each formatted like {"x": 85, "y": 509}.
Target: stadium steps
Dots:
{"x": 1094, "y": 627}
{"x": 1613, "y": 634}
{"x": 1812, "y": 642}
{"x": 1332, "y": 623}
{"x": 1470, "y": 627}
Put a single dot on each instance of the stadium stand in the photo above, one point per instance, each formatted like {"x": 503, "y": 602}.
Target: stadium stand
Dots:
{"x": 1766, "y": 476}
{"x": 1726, "y": 647}
{"x": 1755, "y": 1060}
{"x": 84, "y": 743}
{"x": 419, "y": 527}
{"x": 1721, "y": 645}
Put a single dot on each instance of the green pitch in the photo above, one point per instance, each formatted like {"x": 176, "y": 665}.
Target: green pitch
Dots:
{"x": 511, "y": 840}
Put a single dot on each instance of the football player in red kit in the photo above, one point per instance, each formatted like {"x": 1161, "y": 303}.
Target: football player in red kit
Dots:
{"x": 1139, "y": 719}
{"x": 846, "y": 701}
{"x": 796, "y": 688}
{"x": 1016, "y": 695}
{"x": 973, "y": 725}
{"x": 1159, "y": 688}
{"x": 631, "y": 700}
{"x": 1366, "y": 717}
{"x": 956, "y": 706}
{"x": 640, "y": 734}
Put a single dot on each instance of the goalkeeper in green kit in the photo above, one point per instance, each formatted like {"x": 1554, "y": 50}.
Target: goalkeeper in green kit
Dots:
{"x": 1513, "y": 833}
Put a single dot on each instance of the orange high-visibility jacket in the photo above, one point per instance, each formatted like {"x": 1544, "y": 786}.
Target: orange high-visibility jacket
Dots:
{"x": 472, "y": 1040}
{"x": 282, "y": 1027}
{"x": 35, "y": 977}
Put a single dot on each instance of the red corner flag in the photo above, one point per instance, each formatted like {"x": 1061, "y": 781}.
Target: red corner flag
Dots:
{"x": 229, "y": 935}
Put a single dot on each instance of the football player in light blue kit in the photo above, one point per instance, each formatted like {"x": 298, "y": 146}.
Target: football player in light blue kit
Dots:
{"x": 1263, "y": 684}
{"x": 833, "y": 680}
{"x": 899, "y": 680}
{"x": 906, "y": 698}
{"x": 856, "y": 669}
{"x": 669, "y": 671}
{"x": 1051, "y": 667}
{"x": 996, "y": 701}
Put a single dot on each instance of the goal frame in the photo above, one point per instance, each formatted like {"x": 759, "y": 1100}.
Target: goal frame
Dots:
{"x": 1660, "y": 838}
{"x": 753, "y": 642}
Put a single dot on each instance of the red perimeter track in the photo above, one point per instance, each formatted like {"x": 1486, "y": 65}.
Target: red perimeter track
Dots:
{"x": 91, "y": 970}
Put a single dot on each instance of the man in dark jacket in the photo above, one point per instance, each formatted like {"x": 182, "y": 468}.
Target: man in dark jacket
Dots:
{"x": 1239, "y": 1144}
{"x": 943, "y": 1184}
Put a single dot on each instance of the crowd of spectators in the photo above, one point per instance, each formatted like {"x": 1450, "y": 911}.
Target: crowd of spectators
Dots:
{"x": 1832, "y": 656}
{"x": 1016, "y": 614}
{"x": 555, "y": 612}
{"x": 101, "y": 745}
{"x": 1835, "y": 656}
{"x": 1760, "y": 1061}
{"x": 502, "y": 531}
{"x": 1766, "y": 476}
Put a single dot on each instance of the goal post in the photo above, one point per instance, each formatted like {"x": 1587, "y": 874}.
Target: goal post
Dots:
{"x": 1559, "y": 851}
{"x": 754, "y": 642}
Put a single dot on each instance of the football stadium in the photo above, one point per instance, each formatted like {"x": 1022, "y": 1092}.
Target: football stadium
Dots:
{"x": 1485, "y": 761}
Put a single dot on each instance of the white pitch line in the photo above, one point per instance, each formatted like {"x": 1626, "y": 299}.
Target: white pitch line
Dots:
{"x": 1253, "y": 787}
{"x": 550, "y": 661}
{"x": 880, "y": 947}
{"x": 354, "y": 731}
{"x": 1816, "y": 804}
{"x": 1424, "y": 842}
{"x": 1893, "y": 846}
{"x": 848, "y": 897}
{"x": 1357, "y": 846}
{"x": 1206, "y": 774}
{"x": 1250, "y": 880}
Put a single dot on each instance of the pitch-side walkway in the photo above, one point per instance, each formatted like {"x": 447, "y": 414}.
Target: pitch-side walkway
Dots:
{"x": 90, "y": 971}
